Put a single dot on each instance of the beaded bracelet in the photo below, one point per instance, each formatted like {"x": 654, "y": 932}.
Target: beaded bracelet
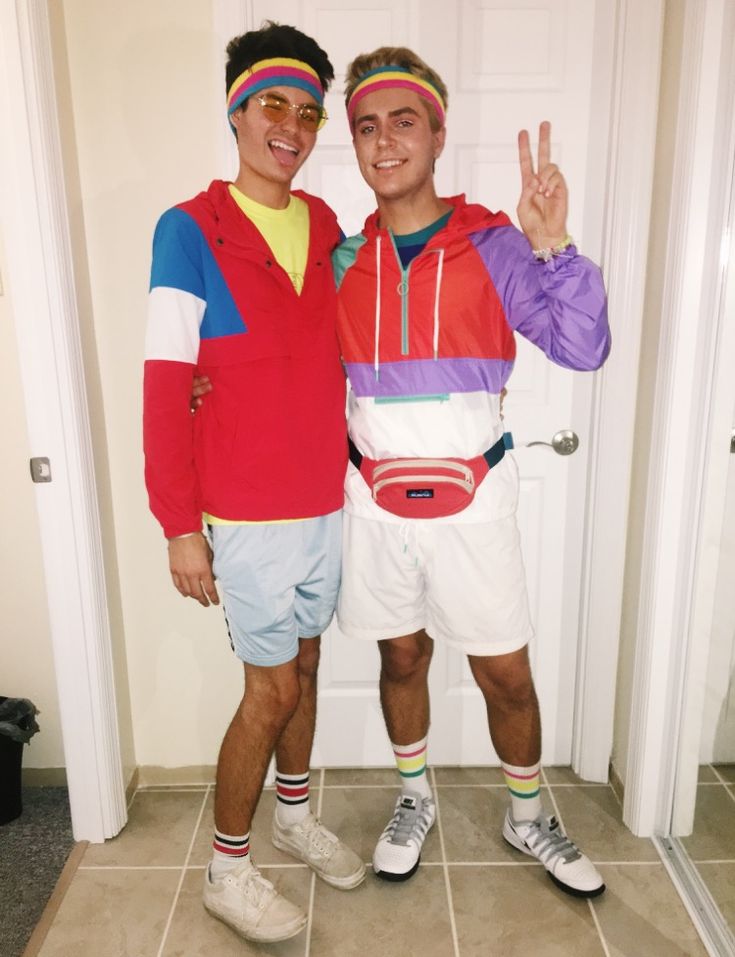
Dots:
{"x": 549, "y": 251}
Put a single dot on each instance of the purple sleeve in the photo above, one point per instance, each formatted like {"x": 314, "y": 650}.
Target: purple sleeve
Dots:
{"x": 560, "y": 306}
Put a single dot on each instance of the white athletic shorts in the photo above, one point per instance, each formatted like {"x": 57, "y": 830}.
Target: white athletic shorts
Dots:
{"x": 464, "y": 584}
{"x": 279, "y": 582}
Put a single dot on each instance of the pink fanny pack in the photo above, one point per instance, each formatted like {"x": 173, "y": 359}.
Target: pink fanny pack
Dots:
{"x": 426, "y": 488}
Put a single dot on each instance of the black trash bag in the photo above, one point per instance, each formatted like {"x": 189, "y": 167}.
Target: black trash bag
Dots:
{"x": 18, "y": 719}
{"x": 17, "y": 727}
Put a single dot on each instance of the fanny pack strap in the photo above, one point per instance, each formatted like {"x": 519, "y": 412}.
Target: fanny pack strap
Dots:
{"x": 492, "y": 456}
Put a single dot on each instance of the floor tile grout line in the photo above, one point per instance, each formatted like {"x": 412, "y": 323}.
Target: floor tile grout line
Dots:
{"x": 598, "y": 926}
{"x": 724, "y": 860}
{"x": 558, "y": 784}
{"x": 447, "y": 882}
{"x": 560, "y": 819}
{"x": 169, "y": 921}
{"x": 720, "y": 779}
{"x": 312, "y": 885}
{"x": 305, "y": 867}
{"x": 131, "y": 867}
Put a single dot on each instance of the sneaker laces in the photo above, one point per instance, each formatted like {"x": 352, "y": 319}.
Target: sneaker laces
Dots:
{"x": 405, "y": 821}
{"x": 254, "y": 886}
{"x": 548, "y": 841}
{"x": 319, "y": 839}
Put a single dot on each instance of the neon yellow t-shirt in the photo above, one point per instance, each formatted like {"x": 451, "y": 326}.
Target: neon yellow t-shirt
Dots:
{"x": 285, "y": 230}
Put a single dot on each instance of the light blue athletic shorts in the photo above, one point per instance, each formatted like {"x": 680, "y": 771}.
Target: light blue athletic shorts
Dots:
{"x": 279, "y": 583}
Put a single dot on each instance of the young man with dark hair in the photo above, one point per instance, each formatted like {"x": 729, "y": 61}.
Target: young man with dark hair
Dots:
{"x": 242, "y": 291}
{"x": 431, "y": 293}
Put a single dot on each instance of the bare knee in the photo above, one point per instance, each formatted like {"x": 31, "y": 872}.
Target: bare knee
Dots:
{"x": 308, "y": 658}
{"x": 505, "y": 681}
{"x": 406, "y": 658}
{"x": 271, "y": 695}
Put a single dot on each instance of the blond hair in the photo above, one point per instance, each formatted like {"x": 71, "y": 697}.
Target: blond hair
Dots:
{"x": 396, "y": 56}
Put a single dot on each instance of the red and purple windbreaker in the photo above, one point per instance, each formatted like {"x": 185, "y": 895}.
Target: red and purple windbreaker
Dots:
{"x": 429, "y": 348}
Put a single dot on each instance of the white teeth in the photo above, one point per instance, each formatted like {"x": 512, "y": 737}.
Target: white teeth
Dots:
{"x": 284, "y": 146}
{"x": 387, "y": 164}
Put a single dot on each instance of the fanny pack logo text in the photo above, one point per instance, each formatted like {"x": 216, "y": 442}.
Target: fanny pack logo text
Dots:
{"x": 419, "y": 493}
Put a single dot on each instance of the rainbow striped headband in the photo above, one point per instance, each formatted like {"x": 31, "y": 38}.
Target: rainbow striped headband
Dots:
{"x": 389, "y": 77}
{"x": 278, "y": 71}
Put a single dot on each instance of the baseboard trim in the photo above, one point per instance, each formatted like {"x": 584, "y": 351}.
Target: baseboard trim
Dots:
{"x": 132, "y": 786}
{"x": 616, "y": 784}
{"x": 151, "y": 775}
{"x": 43, "y": 777}
{"x": 40, "y": 931}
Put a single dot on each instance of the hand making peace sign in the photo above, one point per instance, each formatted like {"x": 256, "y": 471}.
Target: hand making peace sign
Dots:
{"x": 542, "y": 208}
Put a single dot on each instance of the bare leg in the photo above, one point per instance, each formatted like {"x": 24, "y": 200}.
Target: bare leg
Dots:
{"x": 293, "y": 751}
{"x": 271, "y": 698}
{"x": 404, "y": 689}
{"x": 512, "y": 707}
{"x": 404, "y": 694}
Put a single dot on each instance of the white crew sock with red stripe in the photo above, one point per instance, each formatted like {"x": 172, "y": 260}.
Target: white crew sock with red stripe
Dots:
{"x": 229, "y": 852}
{"x": 292, "y": 797}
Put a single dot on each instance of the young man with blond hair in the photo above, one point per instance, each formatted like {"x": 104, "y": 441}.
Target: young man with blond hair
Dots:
{"x": 430, "y": 294}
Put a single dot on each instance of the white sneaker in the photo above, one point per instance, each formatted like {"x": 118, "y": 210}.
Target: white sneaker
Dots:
{"x": 249, "y": 904}
{"x": 398, "y": 851}
{"x": 567, "y": 866}
{"x": 311, "y": 842}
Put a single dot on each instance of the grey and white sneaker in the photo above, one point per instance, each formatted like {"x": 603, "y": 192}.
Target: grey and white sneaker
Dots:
{"x": 398, "y": 851}
{"x": 570, "y": 869}
{"x": 249, "y": 904}
{"x": 311, "y": 842}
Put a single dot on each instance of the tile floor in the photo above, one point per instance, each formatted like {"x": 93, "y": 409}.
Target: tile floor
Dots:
{"x": 139, "y": 894}
{"x": 711, "y": 845}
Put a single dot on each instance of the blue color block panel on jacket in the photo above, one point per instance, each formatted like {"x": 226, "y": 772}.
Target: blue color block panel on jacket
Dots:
{"x": 183, "y": 260}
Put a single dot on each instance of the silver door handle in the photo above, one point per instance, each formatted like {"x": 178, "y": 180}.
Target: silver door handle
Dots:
{"x": 564, "y": 442}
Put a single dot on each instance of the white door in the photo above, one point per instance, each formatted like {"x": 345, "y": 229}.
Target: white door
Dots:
{"x": 507, "y": 65}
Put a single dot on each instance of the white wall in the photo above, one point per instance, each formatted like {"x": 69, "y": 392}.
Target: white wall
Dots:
{"x": 141, "y": 80}
{"x": 26, "y": 665}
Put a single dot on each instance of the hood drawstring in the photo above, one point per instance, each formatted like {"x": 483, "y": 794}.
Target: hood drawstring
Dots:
{"x": 439, "y": 269}
{"x": 377, "y": 312}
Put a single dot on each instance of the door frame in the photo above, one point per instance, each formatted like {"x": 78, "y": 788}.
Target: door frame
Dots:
{"x": 50, "y": 352}
{"x": 35, "y": 224}
{"x": 692, "y": 419}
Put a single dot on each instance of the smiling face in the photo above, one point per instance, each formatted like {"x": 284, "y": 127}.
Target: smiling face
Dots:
{"x": 395, "y": 145}
{"x": 271, "y": 153}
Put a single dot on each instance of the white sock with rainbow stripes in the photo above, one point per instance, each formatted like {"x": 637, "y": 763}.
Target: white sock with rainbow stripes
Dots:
{"x": 411, "y": 761}
{"x": 524, "y": 787}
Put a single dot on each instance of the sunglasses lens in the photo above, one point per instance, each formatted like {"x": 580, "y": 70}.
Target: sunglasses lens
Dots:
{"x": 310, "y": 116}
{"x": 274, "y": 111}
{"x": 274, "y": 107}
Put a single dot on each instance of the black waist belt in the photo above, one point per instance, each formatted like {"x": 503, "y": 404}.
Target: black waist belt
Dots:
{"x": 492, "y": 456}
